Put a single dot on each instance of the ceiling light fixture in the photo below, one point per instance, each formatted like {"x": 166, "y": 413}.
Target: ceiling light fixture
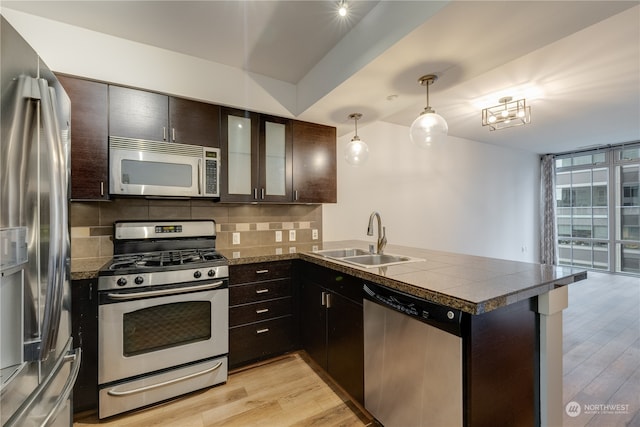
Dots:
{"x": 429, "y": 128}
{"x": 508, "y": 114}
{"x": 357, "y": 151}
{"x": 342, "y": 8}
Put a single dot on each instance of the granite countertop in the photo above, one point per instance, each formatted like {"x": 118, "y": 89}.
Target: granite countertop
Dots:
{"x": 87, "y": 268}
{"x": 470, "y": 283}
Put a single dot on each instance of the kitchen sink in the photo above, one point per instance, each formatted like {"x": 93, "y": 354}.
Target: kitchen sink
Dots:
{"x": 342, "y": 253}
{"x": 378, "y": 260}
{"x": 363, "y": 258}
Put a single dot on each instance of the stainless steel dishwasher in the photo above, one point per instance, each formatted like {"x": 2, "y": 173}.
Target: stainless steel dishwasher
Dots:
{"x": 413, "y": 360}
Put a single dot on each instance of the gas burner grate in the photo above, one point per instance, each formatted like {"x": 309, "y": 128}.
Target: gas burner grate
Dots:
{"x": 164, "y": 259}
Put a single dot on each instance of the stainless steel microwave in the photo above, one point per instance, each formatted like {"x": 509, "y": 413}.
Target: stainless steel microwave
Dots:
{"x": 152, "y": 168}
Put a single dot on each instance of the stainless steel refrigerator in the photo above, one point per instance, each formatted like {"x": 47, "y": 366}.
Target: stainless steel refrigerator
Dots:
{"x": 38, "y": 362}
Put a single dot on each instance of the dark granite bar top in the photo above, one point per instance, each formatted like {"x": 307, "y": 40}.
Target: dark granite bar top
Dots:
{"x": 470, "y": 283}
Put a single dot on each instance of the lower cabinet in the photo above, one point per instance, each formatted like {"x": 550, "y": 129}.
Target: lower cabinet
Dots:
{"x": 84, "y": 329}
{"x": 332, "y": 325}
{"x": 262, "y": 315}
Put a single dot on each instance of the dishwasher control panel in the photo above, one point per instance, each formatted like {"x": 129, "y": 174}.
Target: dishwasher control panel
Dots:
{"x": 440, "y": 316}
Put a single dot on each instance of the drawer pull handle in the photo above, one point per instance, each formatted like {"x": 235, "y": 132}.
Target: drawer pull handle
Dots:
{"x": 262, "y": 271}
{"x": 262, "y": 331}
{"x": 262, "y": 311}
{"x": 262, "y": 291}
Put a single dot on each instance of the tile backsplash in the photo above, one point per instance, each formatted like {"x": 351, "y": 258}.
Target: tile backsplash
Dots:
{"x": 251, "y": 225}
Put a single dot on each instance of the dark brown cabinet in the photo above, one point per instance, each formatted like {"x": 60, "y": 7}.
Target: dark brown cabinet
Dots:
{"x": 261, "y": 312}
{"x": 153, "y": 116}
{"x": 314, "y": 163}
{"x": 332, "y": 325}
{"x": 195, "y": 123}
{"x": 264, "y": 158}
{"x": 257, "y": 153}
{"x": 89, "y": 138}
{"x": 84, "y": 329}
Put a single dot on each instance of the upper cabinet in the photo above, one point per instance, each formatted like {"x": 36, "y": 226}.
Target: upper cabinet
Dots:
{"x": 152, "y": 116}
{"x": 264, "y": 158}
{"x": 195, "y": 123}
{"x": 256, "y": 151}
{"x": 89, "y": 138}
{"x": 314, "y": 163}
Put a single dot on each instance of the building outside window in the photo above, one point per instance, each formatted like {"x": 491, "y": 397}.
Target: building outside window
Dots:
{"x": 598, "y": 209}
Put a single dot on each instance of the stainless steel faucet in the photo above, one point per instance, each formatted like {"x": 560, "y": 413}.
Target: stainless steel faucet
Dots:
{"x": 382, "y": 232}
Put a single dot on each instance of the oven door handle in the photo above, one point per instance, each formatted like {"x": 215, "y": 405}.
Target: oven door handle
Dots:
{"x": 165, "y": 291}
{"x": 114, "y": 392}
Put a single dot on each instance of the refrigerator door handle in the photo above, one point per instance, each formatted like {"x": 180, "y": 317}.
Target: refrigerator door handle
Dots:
{"x": 58, "y": 220}
{"x": 72, "y": 356}
{"x": 75, "y": 358}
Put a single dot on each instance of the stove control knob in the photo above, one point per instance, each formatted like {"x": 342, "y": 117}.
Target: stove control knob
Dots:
{"x": 121, "y": 281}
{"x": 197, "y": 274}
{"x": 211, "y": 273}
{"x": 139, "y": 280}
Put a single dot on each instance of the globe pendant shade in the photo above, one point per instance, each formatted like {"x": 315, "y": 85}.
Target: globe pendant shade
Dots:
{"x": 428, "y": 129}
{"x": 357, "y": 152}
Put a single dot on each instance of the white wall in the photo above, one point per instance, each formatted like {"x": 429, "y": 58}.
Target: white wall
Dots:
{"x": 466, "y": 196}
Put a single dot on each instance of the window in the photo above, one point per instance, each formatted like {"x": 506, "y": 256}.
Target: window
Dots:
{"x": 598, "y": 209}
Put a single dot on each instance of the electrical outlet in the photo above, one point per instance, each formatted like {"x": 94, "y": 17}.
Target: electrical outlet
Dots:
{"x": 279, "y": 236}
{"x": 236, "y": 238}
{"x": 292, "y": 235}
{"x": 314, "y": 234}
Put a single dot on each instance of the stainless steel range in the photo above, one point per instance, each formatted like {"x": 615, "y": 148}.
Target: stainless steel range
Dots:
{"x": 163, "y": 307}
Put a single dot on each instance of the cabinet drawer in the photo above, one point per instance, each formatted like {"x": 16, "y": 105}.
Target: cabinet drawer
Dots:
{"x": 261, "y": 340}
{"x": 260, "y": 311}
{"x": 260, "y": 291}
{"x": 239, "y": 274}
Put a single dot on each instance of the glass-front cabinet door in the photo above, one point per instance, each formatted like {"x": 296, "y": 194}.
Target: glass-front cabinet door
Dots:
{"x": 275, "y": 159}
{"x": 258, "y": 157}
{"x": 240, "y": 148}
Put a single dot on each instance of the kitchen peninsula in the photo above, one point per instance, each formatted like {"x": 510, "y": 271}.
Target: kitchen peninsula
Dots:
{"x": 509, "y": 356}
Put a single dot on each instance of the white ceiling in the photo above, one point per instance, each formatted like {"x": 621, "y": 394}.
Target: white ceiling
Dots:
{"x": 577, "y": 63}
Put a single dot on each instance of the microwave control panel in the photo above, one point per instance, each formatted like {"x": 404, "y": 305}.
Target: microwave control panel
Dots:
{"x": 211, "y": 172}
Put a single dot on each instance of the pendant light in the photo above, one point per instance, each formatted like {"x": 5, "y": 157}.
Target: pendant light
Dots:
{"x": 357, "y": 151}
{"x": 429, "y": 128}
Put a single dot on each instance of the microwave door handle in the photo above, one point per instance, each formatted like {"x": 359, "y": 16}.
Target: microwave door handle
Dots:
{"x": 200, "y": 176}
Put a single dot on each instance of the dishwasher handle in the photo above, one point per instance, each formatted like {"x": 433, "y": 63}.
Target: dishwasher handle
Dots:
{"x": 445, "y": 318}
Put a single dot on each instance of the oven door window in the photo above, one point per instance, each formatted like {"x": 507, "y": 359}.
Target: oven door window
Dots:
{"x": 165, "y": 326}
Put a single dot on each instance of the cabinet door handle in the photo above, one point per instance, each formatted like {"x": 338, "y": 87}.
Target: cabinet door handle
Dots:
{"x": 101, "y": 188}
{"x": 328, "y": 300}
{"x": 262, "y": 311}
{"x": 262, "y": 331}
{"x": 262, "y": 291}
{"x": 164, "y": 133}
{"x": 261, "y": 271}
{"x": 323, "y": 299}
{"x": 262, "y": 193}
{"x": 295, "y": 195}
{"x": 173, "y": 134}
{"x": 255, "y": 193}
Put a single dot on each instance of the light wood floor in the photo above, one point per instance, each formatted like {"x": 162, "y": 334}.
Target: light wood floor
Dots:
{"x": 287, "y": 391}
{"x": 602, "y": 350}
{"x": 601, "y": 366}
